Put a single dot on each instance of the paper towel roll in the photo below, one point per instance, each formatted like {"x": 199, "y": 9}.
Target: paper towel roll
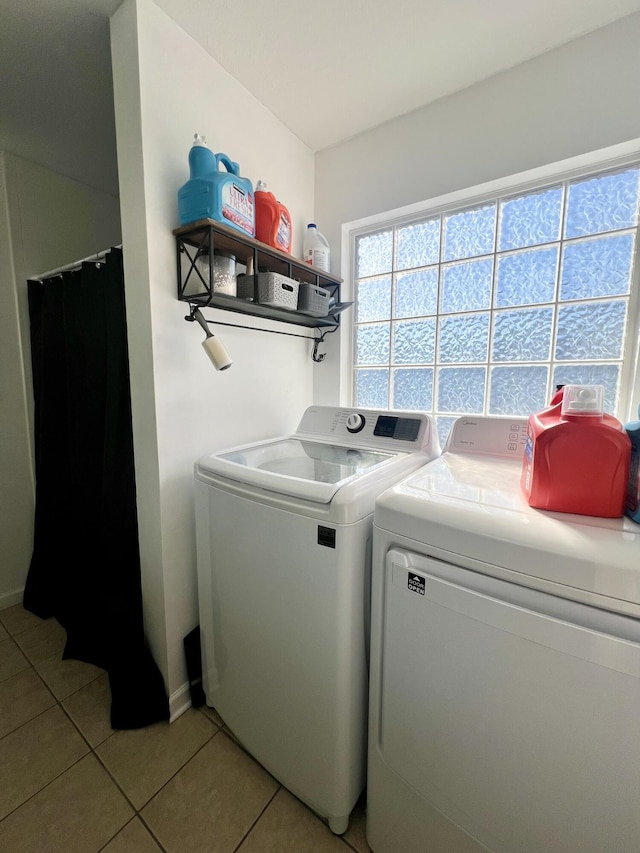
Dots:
{"x": 217, "y": 353}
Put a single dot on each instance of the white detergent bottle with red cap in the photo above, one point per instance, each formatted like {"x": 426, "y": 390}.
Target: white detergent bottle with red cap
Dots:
{"x": 316, "y": 248}
{"x": 576, "y": 456}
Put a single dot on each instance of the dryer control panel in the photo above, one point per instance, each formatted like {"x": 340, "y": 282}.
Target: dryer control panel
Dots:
{"x": 491, "y": 435}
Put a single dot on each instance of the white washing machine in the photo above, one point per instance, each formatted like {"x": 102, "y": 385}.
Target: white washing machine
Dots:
{"x": 505, "y": 663}
{"x": 284, "y": 556}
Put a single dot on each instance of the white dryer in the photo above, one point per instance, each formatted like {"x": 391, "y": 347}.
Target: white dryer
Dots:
{"x": 284, "y": 555}
{"x": 505, "y": 663}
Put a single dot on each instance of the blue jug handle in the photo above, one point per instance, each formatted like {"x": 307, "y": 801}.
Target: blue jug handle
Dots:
{"x": 230, "y": 166}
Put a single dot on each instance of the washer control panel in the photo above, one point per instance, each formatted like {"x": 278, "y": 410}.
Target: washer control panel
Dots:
{"x": 408, "y": 431}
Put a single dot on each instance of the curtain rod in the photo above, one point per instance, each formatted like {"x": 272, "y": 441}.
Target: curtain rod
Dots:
{"x": 98, "y": 256}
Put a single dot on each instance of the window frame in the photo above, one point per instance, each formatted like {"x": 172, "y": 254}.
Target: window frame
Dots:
{"x": 614, "y": 157}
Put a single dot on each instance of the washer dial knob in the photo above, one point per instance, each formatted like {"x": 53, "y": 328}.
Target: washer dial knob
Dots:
{"x": 355, "y": 422}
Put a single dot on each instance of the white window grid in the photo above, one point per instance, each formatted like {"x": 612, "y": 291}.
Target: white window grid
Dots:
{"x": 625, "y": 407}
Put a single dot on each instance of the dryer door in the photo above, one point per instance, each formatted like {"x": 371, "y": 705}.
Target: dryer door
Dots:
{"x": 514, "y": 713}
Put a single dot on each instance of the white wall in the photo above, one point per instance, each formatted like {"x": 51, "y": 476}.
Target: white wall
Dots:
{"x": 166, "y": 88}
{"x": 46, "y": 221}
{"x": 578, "y": 98}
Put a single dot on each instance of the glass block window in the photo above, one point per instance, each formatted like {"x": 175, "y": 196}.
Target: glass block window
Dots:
{"x": 486, "y": 308}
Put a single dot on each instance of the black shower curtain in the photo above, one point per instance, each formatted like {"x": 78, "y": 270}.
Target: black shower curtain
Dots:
{"x": 85, "y": 567}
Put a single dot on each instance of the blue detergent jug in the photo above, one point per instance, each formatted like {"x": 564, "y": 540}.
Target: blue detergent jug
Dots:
{"x": 632, "y": 505}
{"x": 212, "y": 194}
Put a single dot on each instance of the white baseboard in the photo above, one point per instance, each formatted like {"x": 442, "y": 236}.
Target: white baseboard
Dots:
{"x": 179, "y": 702}
{"x": 8, "y": 599}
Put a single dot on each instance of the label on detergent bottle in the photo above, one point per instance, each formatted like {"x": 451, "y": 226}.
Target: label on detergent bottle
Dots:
{"x": 283, "y": 237}
{"x": 317, "y": 258}
{"x": 237, "y": 207}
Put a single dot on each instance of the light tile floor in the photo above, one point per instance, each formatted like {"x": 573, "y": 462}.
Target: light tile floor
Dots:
{"x": 71, "y": 784}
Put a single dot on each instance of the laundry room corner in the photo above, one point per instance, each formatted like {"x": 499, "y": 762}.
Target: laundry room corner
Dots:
{"x": 183, "y": 408}
{"x": 88, "y": 219}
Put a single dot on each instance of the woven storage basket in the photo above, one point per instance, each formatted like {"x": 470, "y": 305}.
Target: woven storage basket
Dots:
{"x": 273, "y": 289}
{"x": 313, "y": 300}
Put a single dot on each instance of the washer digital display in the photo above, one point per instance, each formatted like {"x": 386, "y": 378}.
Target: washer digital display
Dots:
{"x": 402, "y": 429}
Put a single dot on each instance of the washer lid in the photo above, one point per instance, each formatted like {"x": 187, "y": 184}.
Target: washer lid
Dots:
{"x": 472, "y": 506}
{"x": 293, "y": 466}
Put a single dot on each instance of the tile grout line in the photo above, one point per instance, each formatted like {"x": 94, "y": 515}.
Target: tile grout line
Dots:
{"x": 325, "y": 823}
{"x": 348, "y": 844}
{"x": 255, "y": 822}
{"x": 122, "y": 828}
{"x": 152, "y": 833}
{"x": 14, "y": 634}
{"x": 92, "y": 751}
{"x": 40, "y": 790}
{"x": 164, "y": 784}
{"x": 253, "y": 825}
{"x": 40, "y": 678}
{"x": 17, "y": 645}
{"x": 138, "y": 811}
{"x": 26, "y": 722}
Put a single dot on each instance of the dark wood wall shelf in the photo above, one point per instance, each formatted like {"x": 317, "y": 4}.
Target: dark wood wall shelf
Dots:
{"x": 198, "y": 240}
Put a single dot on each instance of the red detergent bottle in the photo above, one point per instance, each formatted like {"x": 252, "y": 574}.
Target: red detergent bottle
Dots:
{"x": 577, "y": 456}
{"x": 273, "y": 223}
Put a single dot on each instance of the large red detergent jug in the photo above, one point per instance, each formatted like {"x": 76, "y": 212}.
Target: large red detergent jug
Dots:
{"x": 577, "y": 456}
{"x": 273, "y": 223}
{"x": 210, "y": 193}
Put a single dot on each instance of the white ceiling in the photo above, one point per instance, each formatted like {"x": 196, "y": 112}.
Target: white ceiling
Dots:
{"x": 327, "y": 69}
